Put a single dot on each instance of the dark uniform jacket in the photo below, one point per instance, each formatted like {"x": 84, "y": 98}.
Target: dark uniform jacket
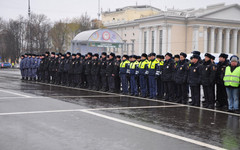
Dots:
{"x": 51, "y": 66}
{"x": 78, "y": 66}
{"x": 168, "y": 70}
{"x": 95, "y": 70}
{"x": 103, "y": 67}
{"x": 67, "y": 64}
{"x": 56, "y": 64}
{"x": 72, "y": 66}
{"x": 46, "y": 64}
{"x": 88, "y": 66}
{"x": 117, "y": 67}
{"x": 181, "y": 72}
{"x": 41, "y": 67}
{"x": 110, "y": 67}
{"x": 207, "y": 73}
{"x": 61, "y": 65}
{"x": 194, "y": 74}
{"x": 221, "y": 66}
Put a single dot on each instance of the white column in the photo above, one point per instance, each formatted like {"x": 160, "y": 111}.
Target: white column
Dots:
{"x": 227, "y": 40}
{"x": 212, "y": 39}
{"x": 234, "y": 47}
{"x": 148, "y": 40}
{"x": 169, "y": 38}
{"x": 219, "y": 47}
{"x": 195, "y": 38}
{"x": 164, "y": 41}
{"x": 140, "y": 41}
{"x": 156, "y": 40}
{"x": 205, "y": 39}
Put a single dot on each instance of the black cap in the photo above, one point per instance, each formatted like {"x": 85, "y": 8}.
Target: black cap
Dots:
{"x": 60, "y": 54}
{"x": 104, "y": 53}
{"x": 196, "y": 53}
{"x": 96, "y": 55}
{"x": 134, "y": 56}
{"x": 89, "y": 53}
{"x": 68, "y": 53}
{"x": 47, "y": 53}
{"x": 195, "y": 56}
{"x": 208, "y": 55}
{"x": 43, "y": 55}
{"x": 73, "y": 54}
{"x": 158, "y": 56}
{"x": 153, "y": 54}
{"x": 144, "y": 55}
{"x": 169, "y": 54}
{"x": 79, "y": 54}
{"x": 112, "y": 54}
{"x": 212, "y": 57}
{"x": 126, "y": 56}
{"x": 176, "y": 56}
{"x": 183, "y": 54}
{"x": 53, "y": 53}
{"x": 118, "y": 56}
{"x": 223, "y": 55}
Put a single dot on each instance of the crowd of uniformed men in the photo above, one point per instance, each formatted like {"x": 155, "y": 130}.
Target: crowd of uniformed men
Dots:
{"x": 154, "y": 76}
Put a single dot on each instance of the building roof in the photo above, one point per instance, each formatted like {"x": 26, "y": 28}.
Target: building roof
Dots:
{"x": 131, "y": 7}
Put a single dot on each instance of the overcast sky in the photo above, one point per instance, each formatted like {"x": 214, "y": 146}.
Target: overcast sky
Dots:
{"x": 60, "y": 9}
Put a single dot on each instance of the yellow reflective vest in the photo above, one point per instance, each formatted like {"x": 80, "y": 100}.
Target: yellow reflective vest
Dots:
{"x": 232, "y": 78}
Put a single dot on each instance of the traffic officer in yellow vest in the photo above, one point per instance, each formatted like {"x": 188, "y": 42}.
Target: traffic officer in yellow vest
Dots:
{"x": 153, "y": 72}
{"x": 133, "y": 74}
{"x": 160, "y": 84}
{"x": 143, "y": 68}
{"x": 124, "y": 70}
{"x": 232, "y": 82}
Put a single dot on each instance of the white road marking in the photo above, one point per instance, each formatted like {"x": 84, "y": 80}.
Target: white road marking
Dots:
{"x": 86, "y": 96}
{"x": 155, "y": 131}
{"x": 14, "y": 93}
{"x": 77, "y": 110}
{"x": 147, "y": 99}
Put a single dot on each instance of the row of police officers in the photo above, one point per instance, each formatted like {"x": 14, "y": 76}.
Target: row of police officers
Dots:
{"x": 154, "y": 76}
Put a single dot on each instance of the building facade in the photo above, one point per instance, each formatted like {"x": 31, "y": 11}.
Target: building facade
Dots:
{"x": 214, "y": 29}
{"x": 126, "y": 14}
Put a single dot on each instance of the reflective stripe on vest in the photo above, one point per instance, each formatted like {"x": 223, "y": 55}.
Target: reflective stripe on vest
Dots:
{"x": 123, "y": 64}
{"x": 142, "y": 64}
{"x": 152, "y": 64}
{"x": 232, "y": 78}
{"x": 133, "y": 64}
{"x": 161, "y": 63}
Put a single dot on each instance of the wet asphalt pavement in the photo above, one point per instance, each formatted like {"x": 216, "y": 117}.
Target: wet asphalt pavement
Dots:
{"x": 47, "y": 117}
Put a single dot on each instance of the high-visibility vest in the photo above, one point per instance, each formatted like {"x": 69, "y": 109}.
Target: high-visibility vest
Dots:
{"x": 123, "y": 63}
{"x": 232, "y": 78}
{"x": 142, "y": 64}
{"x": 152, "y": 64}
{"x": 133, "y": 64}
{"x": 161, "y": 63}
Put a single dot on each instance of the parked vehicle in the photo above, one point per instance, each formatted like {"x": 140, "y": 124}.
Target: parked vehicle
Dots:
{"x": 6, "y": 65}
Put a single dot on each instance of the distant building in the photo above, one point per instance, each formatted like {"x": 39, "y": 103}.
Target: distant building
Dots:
{"x": 214, "y": 29}
{"x": 126, "y": 14}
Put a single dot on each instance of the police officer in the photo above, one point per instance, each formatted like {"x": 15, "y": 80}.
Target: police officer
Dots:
{"x": 95, "y": 71}
{"x": 133, "y": 73}
{"x": 104, "y": 83}
{"x": 116, "y": 72}
{"x": 71, "y": 71}
{"x": 142, "y": 70}
{"x": 38, "y": 66}
{"x": 181, "y": 79}
{"x": 153, "y": 72}
{"x": 78, "y": 70}
{"x": 45, "y": 68}
{"x": 194, "y": 81}
{"x": 168, "y": 77}
{"x": 160, "y": 83}
{"x": 221, "y": 89}
{"x": 61, "y": 72}
{"x": 28, "y": 66}
{"x": 57, "y": 74}
{"x": 207, "y": 80}
{"x": 41, "y": 68}
{"x": 88, "y": 66}
{"x": 34, "y": 66}
{"x": 110, "y": 72}
{"x": 21, "y": 67}
{"x": 51, "y": 67}
{"x": 25, "y": 66}
{"x": 124, "y": 70}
